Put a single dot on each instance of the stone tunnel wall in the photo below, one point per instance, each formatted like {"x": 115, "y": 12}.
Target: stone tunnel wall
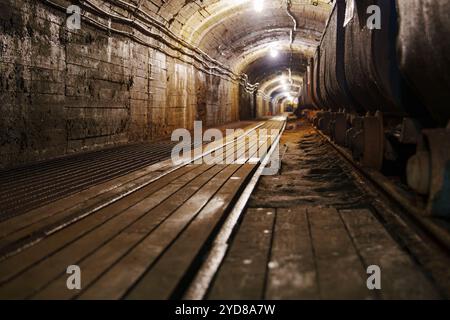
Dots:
{"x": 262, "y": 106}
{"x": 65, "y": 91}
{"x": 247, "y": 103}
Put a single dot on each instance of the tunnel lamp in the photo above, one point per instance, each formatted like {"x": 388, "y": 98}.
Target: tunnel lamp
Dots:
{"x": 291, "y": 99}
{"x": 258, "y": 5}
{"x": 273, "y": 52}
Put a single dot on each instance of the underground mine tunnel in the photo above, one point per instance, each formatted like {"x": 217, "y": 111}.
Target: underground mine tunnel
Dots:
{"x": 225, "y": 149}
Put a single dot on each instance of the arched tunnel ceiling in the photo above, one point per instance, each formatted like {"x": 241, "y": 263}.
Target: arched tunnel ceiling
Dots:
{"x": 276, "y": 84}
{"x": 277, "y": 87}
{"x": 234, "y": 33}
{"x": 265, "y": 66}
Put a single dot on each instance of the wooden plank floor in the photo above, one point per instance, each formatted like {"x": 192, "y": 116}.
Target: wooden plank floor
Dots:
{"x": 37, "y": 223}
{"x": 242, "y": 275}
{"x": 315, "y": 253}
{"x": 145, "y": 245}
{"x": 31, "y": 186}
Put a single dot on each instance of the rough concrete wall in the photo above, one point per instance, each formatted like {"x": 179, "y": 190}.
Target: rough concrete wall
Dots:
{"x": 262, "y": 106}
{"x": 65, "y": 91}
{"x": 259, "y": 106}
{"x": 267, "y": 107}
{"x": 247, "y": 105}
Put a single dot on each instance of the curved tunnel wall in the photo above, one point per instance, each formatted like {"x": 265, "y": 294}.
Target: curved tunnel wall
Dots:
{"x": 136, "y": 70}
{"x": 63, "y": 92}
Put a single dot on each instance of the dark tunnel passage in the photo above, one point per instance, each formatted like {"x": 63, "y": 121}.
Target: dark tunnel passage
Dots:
{"x": 224, "y": 149}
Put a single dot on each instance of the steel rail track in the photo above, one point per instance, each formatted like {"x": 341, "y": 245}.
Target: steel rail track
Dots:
{"x": 40, "y": 191}
{"x": 84, "y": 212}
{"x": 204, "y": 277}
{"x": 438, "y": 232}
{"x": 28, "y": 187}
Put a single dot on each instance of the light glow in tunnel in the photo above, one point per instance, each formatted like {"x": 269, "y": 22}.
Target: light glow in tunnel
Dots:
{"x": 256, "y": 38}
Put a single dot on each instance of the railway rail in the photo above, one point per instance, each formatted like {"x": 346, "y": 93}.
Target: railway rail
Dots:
{"x": 390, "y": 113}
{"x": 439, "y": 229}
{"x": 26, "y": 188}
{"x": 313, "y": 230}
{"x": 138, "y": 235}
{"x": 31, "y": 186}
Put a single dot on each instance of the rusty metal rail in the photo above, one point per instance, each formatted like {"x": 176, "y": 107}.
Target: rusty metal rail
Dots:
{"x": 28, "y": 188}
{"x": 439, "y": 230}
{"x": 31, "y": 186}
{"x": 170, "y": 217}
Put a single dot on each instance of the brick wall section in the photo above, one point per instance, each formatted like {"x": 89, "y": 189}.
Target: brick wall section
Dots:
{"x": 64, "y": 91}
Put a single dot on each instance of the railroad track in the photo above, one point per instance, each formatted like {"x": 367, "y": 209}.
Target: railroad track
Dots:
{"x": 31, "y": 186}
{"x": 312, "y": 231}
{"x": 143, "y": 236}
{"x": 438, "y": 229}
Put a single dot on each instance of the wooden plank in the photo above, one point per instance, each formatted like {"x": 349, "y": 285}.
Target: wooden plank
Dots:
{"x": 241, "y": 149}
{"x": 161, "y": 281}
{"x": 115, "y": 231}
{"x": 98, "y": 262}
{"x": 34, "y": 279}
{"x": 168, "y": 273}
{"x": 401, "y": 278}
{"x": 26, "y": 258}
{"x": 248, "y": 148}
{"x": 292, "y": 272}
{"x": 77, "y": 200}
{"x": 39, "y": 218}
{"x": 234, "y": 136}
{"x": 119, "y": 278}
{"x": 341, "y": 273}
{"x": 241, "y": 144}
{"x": 24, "y": 230}
{"x": 242, "y": 274}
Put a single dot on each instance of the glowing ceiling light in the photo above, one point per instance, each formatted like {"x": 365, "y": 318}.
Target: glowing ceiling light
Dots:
{"x": 290, "y": 98}
{"x": 258, "y": 5}
{"x": 273, "y": 52}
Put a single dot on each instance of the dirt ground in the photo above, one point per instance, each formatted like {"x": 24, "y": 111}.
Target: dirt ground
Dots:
{"x": 311, "y": 174}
